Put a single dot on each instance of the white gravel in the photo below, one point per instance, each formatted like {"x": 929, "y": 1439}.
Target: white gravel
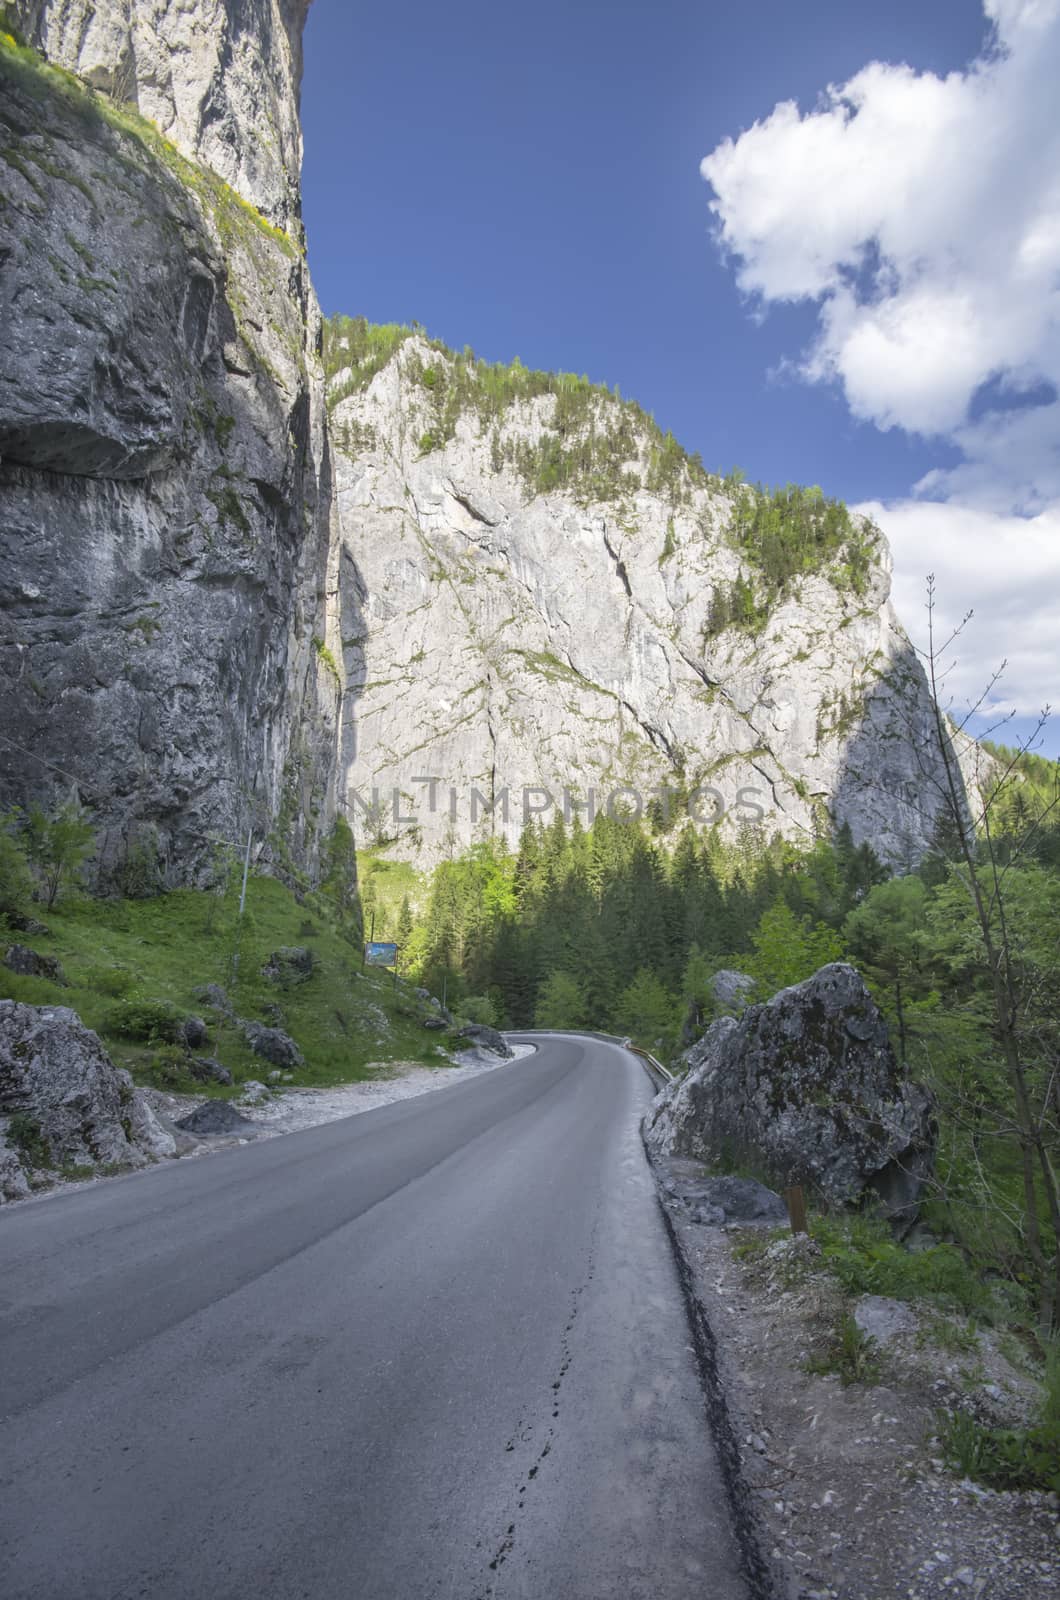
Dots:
{"x": 292, "y": 1109}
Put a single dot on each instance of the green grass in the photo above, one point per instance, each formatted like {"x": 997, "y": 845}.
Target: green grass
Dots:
{"x": 122, "y": 955}
{"x": 860, "y": 1252}
{"x": 848, "y": 1354}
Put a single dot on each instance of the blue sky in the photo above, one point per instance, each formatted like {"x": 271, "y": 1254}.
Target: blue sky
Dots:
{"x": 527, "y": 181}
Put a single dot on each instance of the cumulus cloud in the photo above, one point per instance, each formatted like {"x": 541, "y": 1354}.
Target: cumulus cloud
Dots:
{"x": 1013, "y": 596}
{"x": 922, "y": 215}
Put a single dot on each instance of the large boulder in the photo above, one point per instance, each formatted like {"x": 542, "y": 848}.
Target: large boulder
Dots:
{"x": 481, "y": 1037}
{"x": 68, "y": 1102}
{"x": 272, "y": 1044}
{"x": 808, "y": 1089}
{"x": 732, "y": 991}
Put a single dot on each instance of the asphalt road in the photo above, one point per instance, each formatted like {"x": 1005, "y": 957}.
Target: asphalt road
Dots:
{"x": 435, "y": 1350}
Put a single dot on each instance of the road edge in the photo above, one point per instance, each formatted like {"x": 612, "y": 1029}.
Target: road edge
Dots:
{"x": 765, "y": 1579}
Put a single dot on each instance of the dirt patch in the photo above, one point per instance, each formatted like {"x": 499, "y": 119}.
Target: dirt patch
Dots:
{"x": 851, "y": 1498}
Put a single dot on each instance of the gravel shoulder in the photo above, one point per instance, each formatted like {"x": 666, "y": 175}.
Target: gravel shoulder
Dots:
{"x": 288, "y": 1110}
{"x": 850, "y": 1498}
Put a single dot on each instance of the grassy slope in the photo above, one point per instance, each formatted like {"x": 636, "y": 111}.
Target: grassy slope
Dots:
{"x": 166, "y": 948}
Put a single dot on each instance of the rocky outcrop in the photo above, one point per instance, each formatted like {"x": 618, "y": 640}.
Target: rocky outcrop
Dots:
{"x": 163, "y": 464}
{"x": 731, "y": 991}
{"x": 220, "y": 78}
{"x": 807, "y": 1088}
{"x": 481, "y": 1037}
{"x": 518, "y": 641}
{"x": 272, "y": 1044}
{"x": 20, "y": 958}
{"x": 63, "y": 1103}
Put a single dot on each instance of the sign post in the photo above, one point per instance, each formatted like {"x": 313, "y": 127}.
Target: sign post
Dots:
{"x": 380, "y": 955}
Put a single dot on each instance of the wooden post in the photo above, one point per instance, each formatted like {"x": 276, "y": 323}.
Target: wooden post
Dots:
{"x": 796, "y": 1208}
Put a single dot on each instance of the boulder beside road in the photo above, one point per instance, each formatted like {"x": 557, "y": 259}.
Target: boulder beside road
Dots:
{"x": 807, "y": 1088}
{"x": 63, "y": 1103}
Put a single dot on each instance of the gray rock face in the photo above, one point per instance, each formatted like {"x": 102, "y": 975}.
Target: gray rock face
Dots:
{"x": 20, "y": 958}
{"x": 207, "y": 1070}
{"x": 164, "y": 476}
{"x": 732, "y": 991}
{"x": 193, "y": 1032}
{"x": 272, "y": 1044}
{"x": 214, "y": 1117}
{"x": 717, "y": 1200}
{"x": 882, "y": 1319}
{"x": 56, "y": 1076}
{"x": 220, "y": 78}
{"x": 515, "y": 641}
{"x": 808, "y": 1087}
{"x": 477, "y": 1033}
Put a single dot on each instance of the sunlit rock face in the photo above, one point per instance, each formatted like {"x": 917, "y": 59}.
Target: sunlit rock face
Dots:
{"x": 517, "y": 645}
{"x": 220, "y": 78}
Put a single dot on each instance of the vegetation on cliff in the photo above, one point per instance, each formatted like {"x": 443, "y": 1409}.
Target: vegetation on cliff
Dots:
{"x": 600, "y": 448}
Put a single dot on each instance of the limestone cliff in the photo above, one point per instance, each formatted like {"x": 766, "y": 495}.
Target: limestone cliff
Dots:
{"x": 164, "y": 474}
{"x": 541, "y": 592}
{"x": 494, "y": 593}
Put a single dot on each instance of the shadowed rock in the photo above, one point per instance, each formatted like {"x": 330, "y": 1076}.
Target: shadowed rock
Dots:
{"x": 808, "y": 1088}
{"x": 214, "y": 1117}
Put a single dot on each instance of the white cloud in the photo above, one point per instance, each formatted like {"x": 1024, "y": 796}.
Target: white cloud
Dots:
{"x": 1016, "y": 601}
{"x": 922, "y": 215}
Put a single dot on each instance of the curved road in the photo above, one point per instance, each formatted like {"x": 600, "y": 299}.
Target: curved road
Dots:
{"x": 434, "y": 1350}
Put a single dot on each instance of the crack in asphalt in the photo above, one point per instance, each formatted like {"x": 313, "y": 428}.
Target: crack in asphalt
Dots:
{"x": 524, "y": 1431}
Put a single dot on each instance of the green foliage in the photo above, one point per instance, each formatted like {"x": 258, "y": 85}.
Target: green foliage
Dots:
{"x": 152, "y": 1021}
{"x": 560, "y": 1003}
{"x": 849, "y": 1354}
{"x": 16, "y": 884}
{"x": 480, "y": 1008}
{"x": 1002, "y": 1458}
{"x": 864, "y": 1257}
{"x": 56, "y": 845}
{"x": 791, "y": 532}
{"x": 787, "y": 949}
{"x": 139, "y": 876}
{"x": 327, "y": 660}
{"x": 168, "y": 1069}
{"x": 160, "y": 952}
{"x": 24, "y": 1135}
{"x": 355, "y": 350}
{"x": 647, "y": 1012}
{"x": 595, "y": 445}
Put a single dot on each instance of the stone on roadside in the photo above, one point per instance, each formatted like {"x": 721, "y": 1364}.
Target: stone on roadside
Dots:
{"x": 808, "y": 1088}
{"x": 882, "y": 1319}
{"x": 289, "y": 966}
{"x": 216, "y": 1117}
{"x": 206, "y": 1070}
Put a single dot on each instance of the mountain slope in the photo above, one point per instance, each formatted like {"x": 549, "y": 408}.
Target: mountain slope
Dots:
{"x": 538, "y": 591}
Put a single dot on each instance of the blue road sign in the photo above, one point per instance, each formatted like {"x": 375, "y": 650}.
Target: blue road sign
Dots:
{"x": 381, "y": 955}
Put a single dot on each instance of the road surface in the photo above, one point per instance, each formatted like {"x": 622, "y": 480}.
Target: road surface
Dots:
{"x": 435, "y": 1350}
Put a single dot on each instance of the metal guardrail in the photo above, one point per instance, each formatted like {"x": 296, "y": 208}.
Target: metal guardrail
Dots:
{"x": 659, "y": 1074}
{"x": 656, "y": 1071}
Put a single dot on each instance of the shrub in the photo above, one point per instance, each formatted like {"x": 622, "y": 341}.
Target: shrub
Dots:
{"x": 16, "y": 886}
{"x": 25, "y": 1136}
{"x": 168, "y": 1068}
{"x": 1003, "y": 1458}
{"x": 863, "y": 1256}
{"x": 481, "y": 1009}
{"x": 152, "y": 1021}
{"x": 113, "y": 981}
{"x": 850, "y": 1354}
